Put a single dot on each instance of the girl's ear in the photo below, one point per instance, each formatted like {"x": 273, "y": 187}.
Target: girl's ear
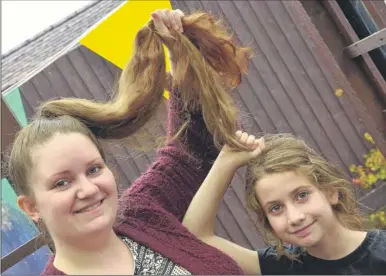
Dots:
{"x": 333, "y": 197}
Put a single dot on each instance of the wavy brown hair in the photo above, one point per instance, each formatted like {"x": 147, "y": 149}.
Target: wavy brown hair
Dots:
{"x": 283, "y": 153}
{"x": 207, "y": 65}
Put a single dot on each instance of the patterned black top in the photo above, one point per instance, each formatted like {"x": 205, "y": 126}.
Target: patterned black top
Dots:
{"x": 148, "y": 262}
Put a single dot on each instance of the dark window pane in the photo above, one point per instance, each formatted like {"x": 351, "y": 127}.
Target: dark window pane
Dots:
{"x": 364, "y": 25}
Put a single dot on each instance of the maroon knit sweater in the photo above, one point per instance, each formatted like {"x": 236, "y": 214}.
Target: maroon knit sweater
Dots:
{"x": 154, "y": 206}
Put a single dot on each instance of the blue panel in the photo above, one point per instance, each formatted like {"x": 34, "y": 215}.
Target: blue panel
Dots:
{"x": 16, "y": 230}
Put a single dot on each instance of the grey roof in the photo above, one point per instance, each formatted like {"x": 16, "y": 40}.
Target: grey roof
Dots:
{"x": 32, "y": 54}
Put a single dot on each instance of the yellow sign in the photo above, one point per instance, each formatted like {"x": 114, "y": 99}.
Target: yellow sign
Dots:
{"x": 113, "y": 37}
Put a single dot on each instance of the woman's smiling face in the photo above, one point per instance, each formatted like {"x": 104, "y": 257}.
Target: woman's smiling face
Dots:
{"x": 75, "y": 193}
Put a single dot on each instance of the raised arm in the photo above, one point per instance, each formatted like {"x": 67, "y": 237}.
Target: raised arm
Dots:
{"x": 199, "y": 101}
{"x": 182, "y": 165}
{"x": 201, "y": 214}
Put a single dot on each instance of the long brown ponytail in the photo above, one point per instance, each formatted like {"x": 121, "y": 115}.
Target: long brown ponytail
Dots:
{"x": 206, "y": 58}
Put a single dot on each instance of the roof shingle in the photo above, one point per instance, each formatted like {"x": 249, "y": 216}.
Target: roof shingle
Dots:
{"x": 32, "y": 54}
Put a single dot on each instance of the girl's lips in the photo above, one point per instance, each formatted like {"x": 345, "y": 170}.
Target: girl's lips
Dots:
{"x": 303, "y": 231}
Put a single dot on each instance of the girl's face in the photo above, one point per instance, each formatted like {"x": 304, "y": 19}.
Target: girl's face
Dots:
{"x": 298, "y": 212}
{"x": 75, "y": 193}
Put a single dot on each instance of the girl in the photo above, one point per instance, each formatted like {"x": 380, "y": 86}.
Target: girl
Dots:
{"x": 60, "y": 171}
{"x": 305, "y": 208}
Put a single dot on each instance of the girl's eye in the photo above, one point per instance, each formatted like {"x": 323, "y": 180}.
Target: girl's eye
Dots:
{"x": 302, "y": 195}
{"x": 61, "y": 183}
{"x": 274, "y": 209}
{"x": 94, "y": 170}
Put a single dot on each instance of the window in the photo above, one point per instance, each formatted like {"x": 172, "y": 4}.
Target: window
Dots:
{"x": 365, "y": 22}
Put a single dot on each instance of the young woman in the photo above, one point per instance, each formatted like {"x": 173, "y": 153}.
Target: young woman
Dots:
{"x": 59, "y": 168}
{"x": 305, "y": 209}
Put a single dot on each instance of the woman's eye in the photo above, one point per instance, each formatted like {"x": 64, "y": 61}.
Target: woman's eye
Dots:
{"x": 61, "y": 183}
{"x": 94, "y": 170}
{"x": 274, "y": 209}
{"x": 302, "y": 195}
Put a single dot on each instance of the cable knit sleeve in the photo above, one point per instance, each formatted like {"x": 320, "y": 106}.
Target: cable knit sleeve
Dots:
{"x": 180, "y": 167}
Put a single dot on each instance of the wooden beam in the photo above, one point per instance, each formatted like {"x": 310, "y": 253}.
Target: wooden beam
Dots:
{"x": 367, "y": 44}
{"x": 21, "y": 252}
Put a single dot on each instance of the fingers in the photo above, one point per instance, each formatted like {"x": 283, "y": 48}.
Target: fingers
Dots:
{"x": 244, "y": 138}
{"x": 164, "y": 16}
{"x": 166, "y": 19}
{"x": 178, "y": 15}
{"x": 259, "y": 145}
{"x": 169, "y": 19}
{"x": 158, "y": 22}
{"x": 181, "y": 16}
{"x": 250, "y": 141}
{"x": 174, "y": 19}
